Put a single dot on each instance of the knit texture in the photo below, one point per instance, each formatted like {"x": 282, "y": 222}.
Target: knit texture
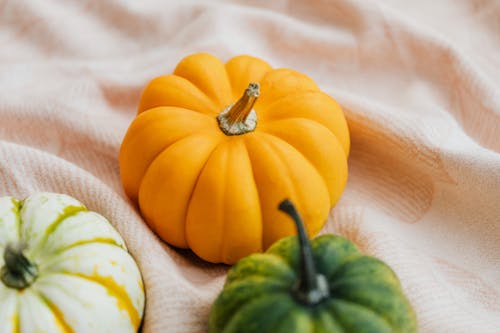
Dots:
{"x": 419, "y": 82}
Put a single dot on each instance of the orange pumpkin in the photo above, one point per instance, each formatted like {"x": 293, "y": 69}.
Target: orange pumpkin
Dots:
{"x": 207, "y": 166}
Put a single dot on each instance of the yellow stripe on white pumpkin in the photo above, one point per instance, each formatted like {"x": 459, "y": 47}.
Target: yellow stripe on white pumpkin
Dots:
{"x": 9, "y": 221}
{"x": 83, "y": 227}
{"x": 9, "y": 318}
{"x": 105, "y": 263}
{"x": 36, "y": 315}
{"x": 87, "y": 306}
{"x": 42, "y": 212}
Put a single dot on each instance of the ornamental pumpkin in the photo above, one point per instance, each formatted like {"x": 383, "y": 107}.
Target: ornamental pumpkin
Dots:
{"x": 299, "y": 286}
{"x": 216, "y": 146}
{"x": 64, "y": 269}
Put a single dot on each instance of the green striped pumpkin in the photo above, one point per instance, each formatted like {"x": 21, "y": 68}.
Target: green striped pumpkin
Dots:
{"x": 64, "y": 269}
{"x": 326, "y": 285}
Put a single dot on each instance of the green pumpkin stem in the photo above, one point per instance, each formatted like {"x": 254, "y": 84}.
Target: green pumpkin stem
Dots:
{"x": 238, "y": 118}
{"x": 18, "y": 272}
{"x": 312, "y": 287}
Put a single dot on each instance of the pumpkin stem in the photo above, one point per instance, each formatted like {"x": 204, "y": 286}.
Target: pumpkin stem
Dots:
{"x": 312, "y": 287}
{"x": 239, "y": 118}
{"x": 18, "y": 271}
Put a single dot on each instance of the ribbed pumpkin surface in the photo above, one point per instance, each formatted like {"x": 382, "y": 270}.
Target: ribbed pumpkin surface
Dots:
{"x": 365, "y": 294}
{"x": 87, "y": 282}
{"x": 199, "y": 188}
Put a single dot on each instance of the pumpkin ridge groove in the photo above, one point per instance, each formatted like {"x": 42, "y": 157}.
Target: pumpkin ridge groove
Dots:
{"x": 292, "y": 189}
{"x": 286, "y": 284}
{"x": 186, "y": 70}
{"x": 213, "y": 105}
{"x": 301, "y": 119}
{"x": 69, "y": 211}
{"x": 241, "y": 291}
{"x": 184, "y": 77}
{"x": 152, "y": 226}
{"x": 58, "y": 315}
{"x": 163, "y": 150}
{"x": 336, "y": 271}
{"x": 258, "y": 195}
{"x": 296, "y": 95}
{"x": 358, "y": 305}
{"x": 279, "y": 322}
{"x": 17, "y": 322}
{"x": 347, "y": 298}
{"x": 267, "y": 277}
{"x": 333, "y": 314}
{"x": 303, "y": 155}
{"x": 130, "y": 139}
{"x": 17, "y": 210}
{"x": 254, "y": 301}
{"x": 288, "y": 274}
{"x": 350, "y": 256}
{"x": 284, "y": 167}
{"x": 190, "y": 198}
{"x": 45, "y": 266}
{"x": 223, "y": 238}
{"x": 339, "y": 282}
{"x": 228, "y": 162}
{"x": 279, "y": 155}
{"x": 257, "y": 191}
{"x": 165, "y": 147}
{"x": 349, "y": 260}
{"x": 116, "y": 291}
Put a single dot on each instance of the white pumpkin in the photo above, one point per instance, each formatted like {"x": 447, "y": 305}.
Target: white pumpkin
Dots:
{"x": 64, "y": 269}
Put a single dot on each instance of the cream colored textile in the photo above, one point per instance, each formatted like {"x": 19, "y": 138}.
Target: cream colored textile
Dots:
{"x": 419, "y": 82}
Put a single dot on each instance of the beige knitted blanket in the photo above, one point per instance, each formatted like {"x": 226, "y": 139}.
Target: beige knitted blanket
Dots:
{"x": 419, "y": 82}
